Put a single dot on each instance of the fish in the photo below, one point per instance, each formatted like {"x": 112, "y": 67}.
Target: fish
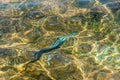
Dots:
{"x": 57, "y": 44}
{"x": 59, "y": 41}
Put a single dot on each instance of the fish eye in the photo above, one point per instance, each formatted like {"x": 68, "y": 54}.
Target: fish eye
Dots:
{"x": 58, "y": 38}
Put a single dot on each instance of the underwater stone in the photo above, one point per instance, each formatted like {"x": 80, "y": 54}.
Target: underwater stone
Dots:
{"x": 84, "y": 48}
{"x": 107, "y": 1}
{"x": 83, "y": 3}
{"x": 112, "y": 38}
{"x": 114, "y": 6}
{"x": 94, "y": 15}
{"x": 5, "y": 22}
{"x": 5, "y": 68}
{"x": 34, "y": 15}
{"x": 28, "y": 6}
{"x": 62, "y": 10}
{"x": 116, "y": 76}
{"x": 1, "y": 34}
{"x": 3, "y": 6}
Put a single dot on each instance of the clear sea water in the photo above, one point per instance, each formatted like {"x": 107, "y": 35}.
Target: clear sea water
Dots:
{"x": 71, "y": 39}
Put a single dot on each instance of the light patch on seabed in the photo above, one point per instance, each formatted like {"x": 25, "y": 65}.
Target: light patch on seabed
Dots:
{"x": 102, "y": 56}
{"x": 6, "y": 1}
{"x": 1, "y": 75}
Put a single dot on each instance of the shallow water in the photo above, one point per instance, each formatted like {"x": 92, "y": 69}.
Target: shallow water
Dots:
{"x": 28, "y": 26}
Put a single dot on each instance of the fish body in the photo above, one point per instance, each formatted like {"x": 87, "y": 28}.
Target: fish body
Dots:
{"x": 59, "y": 41}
